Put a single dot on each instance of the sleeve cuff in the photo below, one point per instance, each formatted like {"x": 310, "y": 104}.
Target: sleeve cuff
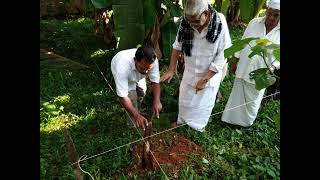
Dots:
{"x": 214, "y": 68}
{"x": 155, "y": 80}
{"x": 237, "y": 54}
{"x": 122, "y": 94}
{"x": 276, "y": 64}
{"x": 176, "y": 46}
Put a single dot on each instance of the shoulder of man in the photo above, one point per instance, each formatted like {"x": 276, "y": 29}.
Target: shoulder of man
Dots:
{"x": 127, "y": 51}
{"x": 223, "y": 21}
{"x": 256, "y": 20}
{"x": 120, "y": 63}
{"x": 222, "y": 17}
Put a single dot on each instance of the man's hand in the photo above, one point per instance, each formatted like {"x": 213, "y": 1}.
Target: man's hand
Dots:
{"x": 200, "y": 85}
{"x": 234, "y": 64}
{"x": 168, "y": 75}
{"x": 157, "y": 106}
{"x": 233, "y": 68}
{"x": 271, "y": 69}
{"x": 140, "y": 121}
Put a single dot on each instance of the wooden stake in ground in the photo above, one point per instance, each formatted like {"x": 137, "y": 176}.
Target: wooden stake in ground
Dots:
{"x": 72, "y": 153}
{"x": 146, "y": 160}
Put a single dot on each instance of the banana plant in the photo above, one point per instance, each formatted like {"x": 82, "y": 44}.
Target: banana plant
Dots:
{"x": 138, "y": 21}
{"x": 222, "y": 6}
{"x": 250, "y": 9}
{"x": 232, "y": 9}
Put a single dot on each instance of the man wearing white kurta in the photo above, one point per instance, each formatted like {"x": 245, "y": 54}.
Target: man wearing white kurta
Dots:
{"x": 130, "y": 68}
{"x": 244, "y": 91}
{"x": 203, "y": 50}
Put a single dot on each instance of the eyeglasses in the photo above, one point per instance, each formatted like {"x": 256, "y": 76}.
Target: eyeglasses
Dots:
{"x": 193, "y": 21}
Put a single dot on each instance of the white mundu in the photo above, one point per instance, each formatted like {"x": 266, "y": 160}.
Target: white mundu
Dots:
{"x": 195, "y": 109}
{"x": 244, "y": 101}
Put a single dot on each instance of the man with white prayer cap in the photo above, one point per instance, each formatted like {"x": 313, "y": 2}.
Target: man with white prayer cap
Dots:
{"x": 244, "y": 91}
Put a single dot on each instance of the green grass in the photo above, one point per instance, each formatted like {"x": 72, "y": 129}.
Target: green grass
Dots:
{"x": 79, "y": 99}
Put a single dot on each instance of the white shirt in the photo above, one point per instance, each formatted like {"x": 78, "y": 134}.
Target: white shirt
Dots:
{"x": 256, "y": 28}
{"x": 126, "y": 76}
{"x": 205, "y": 55}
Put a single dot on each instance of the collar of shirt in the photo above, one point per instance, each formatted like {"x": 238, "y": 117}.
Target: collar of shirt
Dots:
{"x": 263, "y": 19}
{"x": 204, "y": 30}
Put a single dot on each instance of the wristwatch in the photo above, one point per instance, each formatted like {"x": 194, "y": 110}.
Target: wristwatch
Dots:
{"x": 205, "y": 80}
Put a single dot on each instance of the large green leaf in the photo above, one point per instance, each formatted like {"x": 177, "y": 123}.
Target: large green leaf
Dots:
{"x": 262, "y": 41}
{"x": 129, "y": 23}
{"x": 149, "y": 13}
{"x": 218, "y": 5}
{"x": 102, "y": 3}
{"x": 250, "y": 9}
{"x": 175, "y": 10}
{"x": 169, "y": 31}
{"x": 276, "y": 54}
{"x": 258, "y": 6}
{"x": 262, "y": 46}
{"x": 237, "y": 46}
{"x": 273, "y": 46}
{"x": 225, "y": 6}
{"x": 262, "y": 78}
{"x": 166, "y": 18}
{"x": 247, "y": 10}
{"x": 257, "y": 50}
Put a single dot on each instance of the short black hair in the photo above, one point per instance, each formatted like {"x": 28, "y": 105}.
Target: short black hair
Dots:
{"x": 147, "y": 53}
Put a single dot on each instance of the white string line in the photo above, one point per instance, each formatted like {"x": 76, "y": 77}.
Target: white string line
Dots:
{"x": 151, "y": 135}
{"x": 159, "y": 164}
{"x": 126, "y": 113}
{"x": 150, "y": 149}
{"x": 167, "y": 130}
{"x": 135, "y": 128}
{"x": 82, "y": 169}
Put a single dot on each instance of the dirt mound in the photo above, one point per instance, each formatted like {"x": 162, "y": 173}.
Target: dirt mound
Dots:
{"x": 177, "y": 152}
{"x": 169, "y": 150}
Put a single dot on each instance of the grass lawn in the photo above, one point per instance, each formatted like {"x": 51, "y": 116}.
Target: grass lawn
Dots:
{"x": 79, "y": 98}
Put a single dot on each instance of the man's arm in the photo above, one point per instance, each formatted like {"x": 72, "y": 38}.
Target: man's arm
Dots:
{"x": 234, "y": 62}
{"x": 172, "y": 67}
{"x": 157, "y": 106}
{"x": 218, "y": 61}
{"x": 133, "y": 112}
{"x": 120, "y": 75}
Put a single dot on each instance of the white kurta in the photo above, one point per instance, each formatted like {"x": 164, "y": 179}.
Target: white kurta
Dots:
{"x": 237, "y": 111}
{"x": 256, "y": 28}
{"x": 195, "y": 109}
{"x": 126, "y": 76}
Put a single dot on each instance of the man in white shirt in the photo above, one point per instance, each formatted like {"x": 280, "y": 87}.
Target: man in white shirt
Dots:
{"x": 202, "y": 37}
{"x": 244, "y": 90}
{"x": 130, "y": 68}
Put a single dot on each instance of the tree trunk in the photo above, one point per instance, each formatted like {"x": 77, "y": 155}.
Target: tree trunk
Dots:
{"x": 234, "y": 13}
{"x": 153, "y": 38}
